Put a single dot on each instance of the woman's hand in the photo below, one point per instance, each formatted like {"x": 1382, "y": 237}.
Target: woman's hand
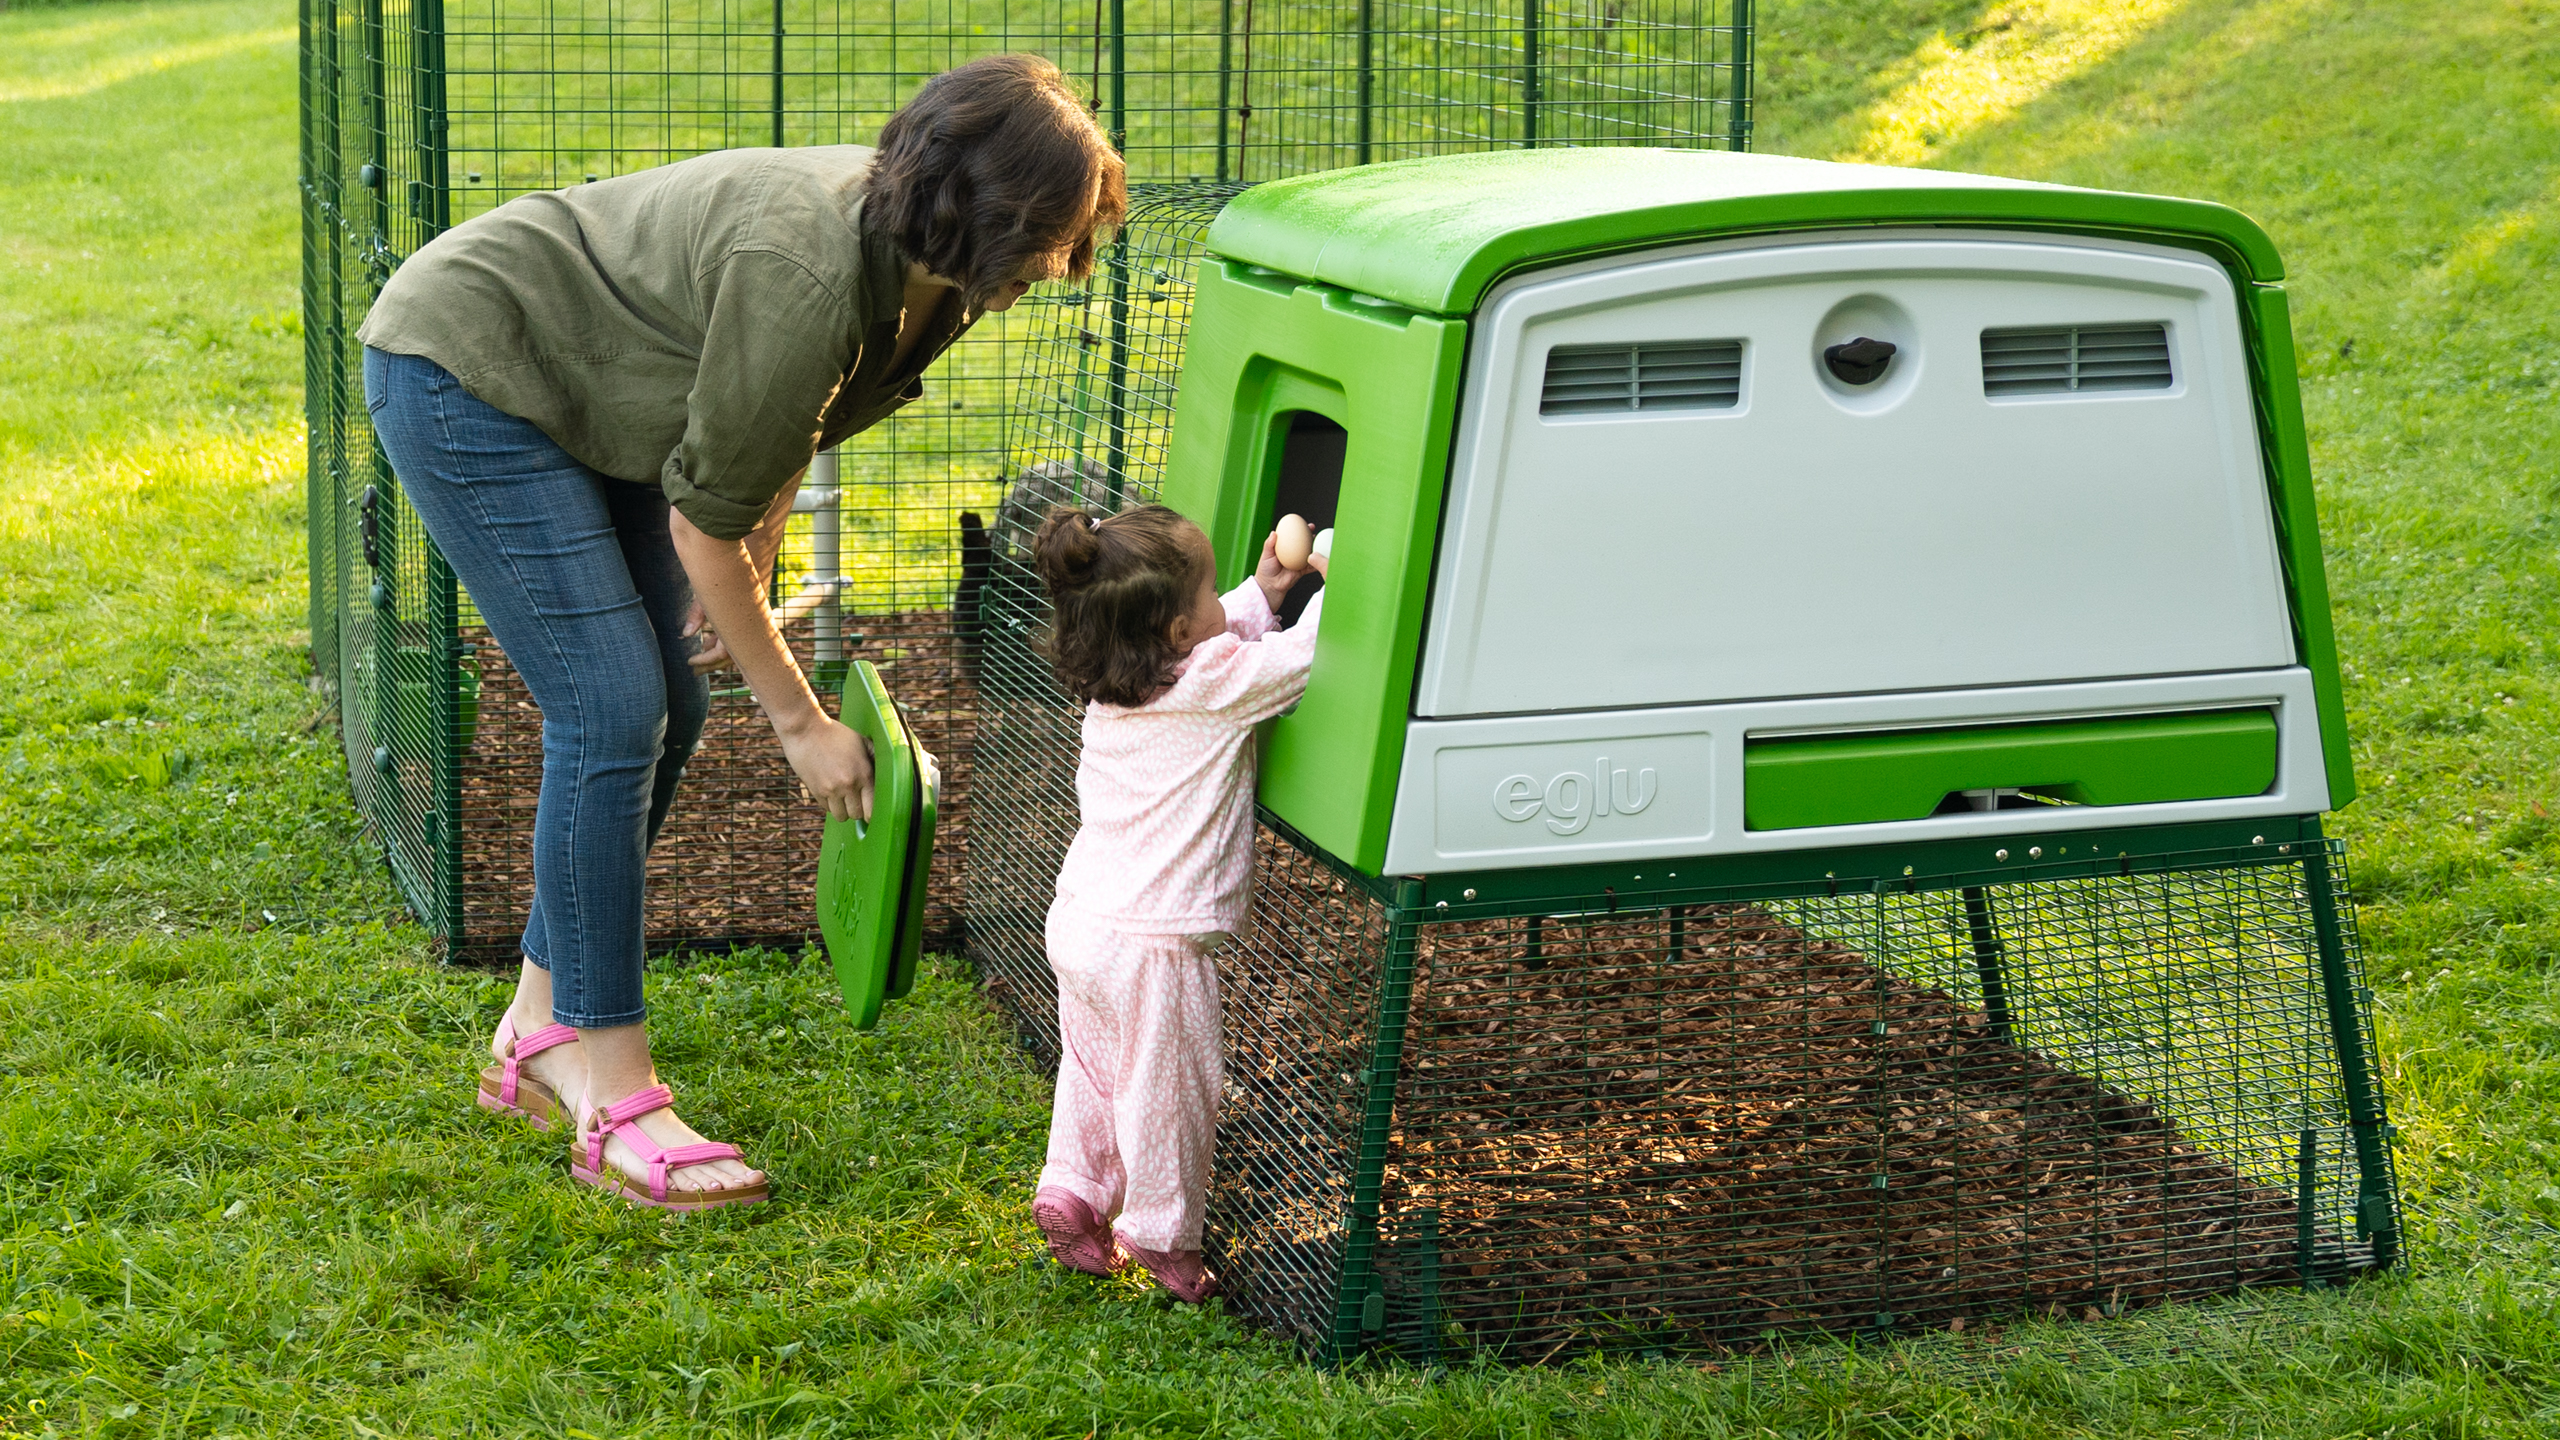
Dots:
{"x": 1276, "y": 578}
{"x": 835, "y": 765}
{"x": 712, "y": 654}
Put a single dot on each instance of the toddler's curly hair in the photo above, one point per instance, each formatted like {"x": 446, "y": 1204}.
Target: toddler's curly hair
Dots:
{"x": 1118, "y": 585}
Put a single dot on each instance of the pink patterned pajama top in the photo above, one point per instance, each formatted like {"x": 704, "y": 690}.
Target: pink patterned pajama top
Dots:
{"x": 1165, "y": 789}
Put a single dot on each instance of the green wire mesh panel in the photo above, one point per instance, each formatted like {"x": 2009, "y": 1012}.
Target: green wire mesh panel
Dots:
{"x": 419, "y": 115}
{"x": 1090, "y": 425}
{"x": 1704, "y": 1122}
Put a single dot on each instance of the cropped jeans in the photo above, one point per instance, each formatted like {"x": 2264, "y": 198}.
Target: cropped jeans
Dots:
{"x": 578, "y": 580}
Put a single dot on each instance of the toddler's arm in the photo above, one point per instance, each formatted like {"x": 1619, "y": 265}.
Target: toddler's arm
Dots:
{"x": 1248, "y": 680}
{"x": 1248, "y": 608}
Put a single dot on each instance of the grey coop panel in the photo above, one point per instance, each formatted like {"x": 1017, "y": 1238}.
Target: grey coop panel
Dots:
{"x": 1856, "y": 520}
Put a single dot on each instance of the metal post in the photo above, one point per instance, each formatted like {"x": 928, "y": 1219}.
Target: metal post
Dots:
{"x": 317, "y": 498}
{"x": 1368, "y": 41}
{"x": 1738, "y": 93}
{"x": 1987, "y": 958}
{"x": 1119, "y": 76}
{"x": 2377, "y": 1216}
{"x": 826, "y": 560}
{"x": 1352, "y": 1304}
{"x": 431, "y": 205}
{"x": 1226, "y": 75}
{"x": 2306, "y": 1194}
{"x": 1116, "y": 391}
{"x": 777, "y": 74}
{"x": 1529, "y": 80}
{"x": 377, "y": 141}
{"x": 431, "y": 197}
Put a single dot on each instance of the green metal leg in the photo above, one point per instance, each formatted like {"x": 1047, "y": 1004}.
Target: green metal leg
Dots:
{"x": 1359, "y": 1309}
{"x": 1989, "y": 960}
{"x": 2377, "y": 1206}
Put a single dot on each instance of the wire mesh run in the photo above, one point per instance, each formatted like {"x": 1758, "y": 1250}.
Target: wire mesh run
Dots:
{"x": 1708, "y": 1123}
{"x": 1091, "y": 421}
{"x": 418, "y": 117}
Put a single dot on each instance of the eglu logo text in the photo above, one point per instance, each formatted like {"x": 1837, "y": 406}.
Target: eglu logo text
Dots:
{"x": 1571, "y": 800}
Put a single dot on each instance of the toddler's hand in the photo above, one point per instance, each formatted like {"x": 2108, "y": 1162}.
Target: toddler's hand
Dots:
{"x": 1276, "y": 578}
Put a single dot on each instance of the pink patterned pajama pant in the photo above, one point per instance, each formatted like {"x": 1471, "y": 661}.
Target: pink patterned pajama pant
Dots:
{"x": 1139, "y": 1076}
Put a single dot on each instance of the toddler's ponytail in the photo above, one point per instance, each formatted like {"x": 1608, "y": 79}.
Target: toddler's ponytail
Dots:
{"x": 1067, "y": 547}
{"x": 1118, "y": 585}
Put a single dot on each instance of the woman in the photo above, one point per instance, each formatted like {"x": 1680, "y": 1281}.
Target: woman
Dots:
{"x": 600, "y": 401}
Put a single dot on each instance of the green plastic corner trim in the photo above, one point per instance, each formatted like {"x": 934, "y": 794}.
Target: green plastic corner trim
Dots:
{"x": 864, "y": 869}
{"x": 1261, "y": 349}
{"x": 2285, "y": 441}
{"x": 1435, "y": 234}
{"x": 907, "y": 955}
{"x": 1858, "y": 779}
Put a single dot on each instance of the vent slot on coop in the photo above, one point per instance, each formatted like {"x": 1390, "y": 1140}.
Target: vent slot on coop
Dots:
{"x": 1615, "y": 379}
{"x": 2066, "y": 359}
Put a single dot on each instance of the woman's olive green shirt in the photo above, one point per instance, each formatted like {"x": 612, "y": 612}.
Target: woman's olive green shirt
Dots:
{"x": 706, "y": 326}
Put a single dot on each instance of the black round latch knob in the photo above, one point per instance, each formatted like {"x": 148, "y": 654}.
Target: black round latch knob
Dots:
{"x": 1859, "y": 362}
{"x": 369, "y": 175}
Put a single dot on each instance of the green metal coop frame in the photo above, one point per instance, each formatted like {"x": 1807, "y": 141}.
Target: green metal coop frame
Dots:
{"x": 416, "y": 116}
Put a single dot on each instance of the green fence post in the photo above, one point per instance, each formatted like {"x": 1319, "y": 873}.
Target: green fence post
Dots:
{"x": 1529, "y": 78}
{"x": 443, "y": 600}
{"x": 1226, "y": 77}
{"x": 1115, "y": 465}
{"x": 1738, "y": 92}
{"x": 1356, "y": 1314}
{"x": 2377, "y": 1217}
{"x": 1366, "y": 95}
{"x": 1988, "y": 966}
{"x": 777, "y": 74}
{"x": 316, "y": 499}
{"x": 1119, "y": 76}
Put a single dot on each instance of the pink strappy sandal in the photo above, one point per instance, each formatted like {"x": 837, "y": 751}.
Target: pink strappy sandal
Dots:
{"x": 506, "y": 1089}
{"x": 587, "y": 1164}
{"x": 1077, "y": 1237}
{"x": 1181, "y": 1271}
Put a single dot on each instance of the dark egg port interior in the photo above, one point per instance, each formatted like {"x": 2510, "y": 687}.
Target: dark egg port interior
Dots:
{"x": 1311, "y": 487}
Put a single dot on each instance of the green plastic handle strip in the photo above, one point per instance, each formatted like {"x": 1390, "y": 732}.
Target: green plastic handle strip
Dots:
{"x": 1796, "y": 782}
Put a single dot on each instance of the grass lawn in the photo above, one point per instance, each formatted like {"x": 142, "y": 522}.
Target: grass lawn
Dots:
{"x": 241, "y": 1190}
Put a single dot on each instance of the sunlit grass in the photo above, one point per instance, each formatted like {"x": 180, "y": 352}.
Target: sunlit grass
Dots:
{"x": 240, "y": 1188}
{"x": 2013, "y": 53}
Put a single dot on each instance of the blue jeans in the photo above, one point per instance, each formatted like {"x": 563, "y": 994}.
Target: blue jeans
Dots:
{"x": 578, "y": 579}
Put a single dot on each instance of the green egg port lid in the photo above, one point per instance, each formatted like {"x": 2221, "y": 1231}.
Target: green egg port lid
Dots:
{"x": 871, "y": 874}
{"x": 1434, "y": 234}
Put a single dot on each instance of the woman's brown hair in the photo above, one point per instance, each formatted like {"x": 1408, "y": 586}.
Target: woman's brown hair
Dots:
{"x": 992, "y": 166}
{"x": 1117, "y": 587}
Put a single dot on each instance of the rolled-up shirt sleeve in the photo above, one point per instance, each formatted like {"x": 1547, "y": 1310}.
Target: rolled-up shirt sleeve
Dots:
{"x": 760, "y": 397}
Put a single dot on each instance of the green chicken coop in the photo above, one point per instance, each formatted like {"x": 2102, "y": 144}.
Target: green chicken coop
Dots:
{"x": 1807, "y": 813}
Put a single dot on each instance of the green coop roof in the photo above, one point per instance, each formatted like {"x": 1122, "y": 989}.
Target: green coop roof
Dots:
{"x": 1435, "y": 234}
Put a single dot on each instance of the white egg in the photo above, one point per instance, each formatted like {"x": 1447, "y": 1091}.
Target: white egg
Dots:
{"x": 1295, "y": 542}
{"x": 1324, "y": 542}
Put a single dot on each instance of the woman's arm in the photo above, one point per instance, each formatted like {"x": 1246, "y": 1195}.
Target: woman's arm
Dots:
{"x": 830, "y": 759}
{"x": 763, "y": 543}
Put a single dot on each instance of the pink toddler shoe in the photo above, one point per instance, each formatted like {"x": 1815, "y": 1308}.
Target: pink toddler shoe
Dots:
{"x": 1180, "y": 1271}
{"x": 1076, "y": 1236}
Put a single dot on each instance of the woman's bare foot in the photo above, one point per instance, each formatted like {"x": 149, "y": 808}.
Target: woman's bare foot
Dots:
{"x": 618, "y": 1067}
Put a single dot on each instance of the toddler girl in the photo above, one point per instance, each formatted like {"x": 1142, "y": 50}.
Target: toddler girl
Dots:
{"x": 1174, "y": 676}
